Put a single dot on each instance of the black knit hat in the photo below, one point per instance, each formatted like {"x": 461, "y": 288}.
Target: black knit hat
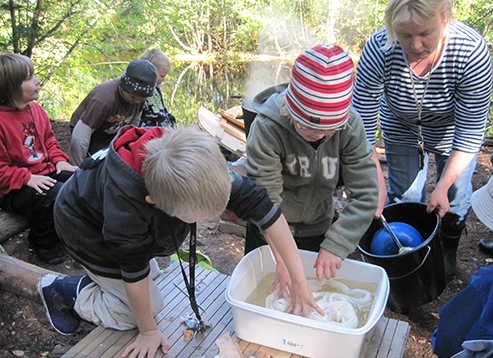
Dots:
{"x": 139, "y": 78}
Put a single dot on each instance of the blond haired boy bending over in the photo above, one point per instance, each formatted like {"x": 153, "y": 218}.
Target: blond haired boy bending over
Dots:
{"x": 126, "y": 205}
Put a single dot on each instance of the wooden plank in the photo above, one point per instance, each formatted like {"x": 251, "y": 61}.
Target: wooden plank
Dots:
{"x": 174, "y": 291}
{"x": 399, "y": 341}
{"x": 213, "y": 349}
{"x": 210, "y": 122}
{"x": 174, "y": 330}
{"x": 172, "y": 309}
{"x": 250, "y": 349}
{"x": 273, "y": 352}
{"x": 92, "y": 350}
{"x": 376, "y": 339}
{"x": 115, "y": 351}
{"x": 242, "y": 344}
{"x": 230, "y": 116}
{"x": 386, "y": 340}
{"x": 80, "y": 348}
{"x": 216, "y": 313}
{"x": 207, "y": 342}
{"x": 235, "y": 111}
{"x": 233, "y": 130}
{"x": 176, "y": 306}
{"x": 110, "y": 343}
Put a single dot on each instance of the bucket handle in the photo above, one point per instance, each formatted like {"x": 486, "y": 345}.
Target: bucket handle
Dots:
{"x": 413, "y": 271}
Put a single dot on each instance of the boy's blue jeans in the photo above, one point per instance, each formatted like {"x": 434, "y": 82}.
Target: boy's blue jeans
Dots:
{"x": 408, "y": 183}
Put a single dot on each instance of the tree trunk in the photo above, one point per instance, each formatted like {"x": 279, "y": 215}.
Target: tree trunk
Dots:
{"x": 15, "y": 33}
{"x": 20, "y": 278}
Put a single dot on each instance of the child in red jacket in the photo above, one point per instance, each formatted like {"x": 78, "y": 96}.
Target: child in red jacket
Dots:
{"x": 32, "y": 166}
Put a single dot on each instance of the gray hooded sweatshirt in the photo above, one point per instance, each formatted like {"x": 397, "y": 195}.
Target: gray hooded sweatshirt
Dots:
{"x": 301, "y": 179}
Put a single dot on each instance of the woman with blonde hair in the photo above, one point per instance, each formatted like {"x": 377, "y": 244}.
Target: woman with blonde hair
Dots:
{"x": 427, "y": 77}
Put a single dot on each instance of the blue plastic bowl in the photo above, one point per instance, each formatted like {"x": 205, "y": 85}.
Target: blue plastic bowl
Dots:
{"x": 382, "y": 243}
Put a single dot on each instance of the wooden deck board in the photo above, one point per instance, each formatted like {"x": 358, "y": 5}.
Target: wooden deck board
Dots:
{"x": 387, "y": 339}
{"x": 384, "y": 346}
{"x": 400, "y": 339}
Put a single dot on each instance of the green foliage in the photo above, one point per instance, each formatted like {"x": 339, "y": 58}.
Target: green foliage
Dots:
{"x": 477, "y": 14}
{"x": 70, "y": 86}
{"x": 358, "y": 21}
{"x": 188, "y": 86}
{"x": 489, "y": 124}
{"x": 193, "y": 85}
{"x": 76, "y": 44}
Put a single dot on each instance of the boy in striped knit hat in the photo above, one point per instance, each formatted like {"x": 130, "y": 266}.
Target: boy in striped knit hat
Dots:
{"x": 305, "y": 137}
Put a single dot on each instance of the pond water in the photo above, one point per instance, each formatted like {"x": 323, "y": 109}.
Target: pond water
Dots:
{"x": 187, "y": 87}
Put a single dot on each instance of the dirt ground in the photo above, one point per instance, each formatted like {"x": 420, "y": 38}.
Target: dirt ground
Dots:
{"x": 25, "y": 330}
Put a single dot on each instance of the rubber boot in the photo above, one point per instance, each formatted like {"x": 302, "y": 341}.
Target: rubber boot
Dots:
{"x": 58, "y": 293}
{"x": 450, "y": 243}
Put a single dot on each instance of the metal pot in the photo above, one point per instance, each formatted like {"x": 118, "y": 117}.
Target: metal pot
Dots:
{"x": 249, "y": 113}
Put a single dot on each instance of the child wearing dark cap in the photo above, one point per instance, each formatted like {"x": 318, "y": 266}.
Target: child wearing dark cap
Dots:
{"x": 304, "y": 138}
{"x": 110, "y": 106}
{"x": 33, "y": 168}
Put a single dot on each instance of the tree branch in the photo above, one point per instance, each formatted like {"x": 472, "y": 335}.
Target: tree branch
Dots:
{"x": 178, "y": 39}
{"x": 69, "y": 52}
{"x": 31, "y": 39}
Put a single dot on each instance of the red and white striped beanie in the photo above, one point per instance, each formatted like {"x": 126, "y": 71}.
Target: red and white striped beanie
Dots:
{"x": 321, "y": 87}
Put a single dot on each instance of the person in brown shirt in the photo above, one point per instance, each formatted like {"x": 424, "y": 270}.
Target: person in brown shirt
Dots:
{"x": 109, "y": 107}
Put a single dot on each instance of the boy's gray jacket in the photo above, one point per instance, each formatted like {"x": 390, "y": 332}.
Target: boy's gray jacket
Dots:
{"x": 301, "y": 180}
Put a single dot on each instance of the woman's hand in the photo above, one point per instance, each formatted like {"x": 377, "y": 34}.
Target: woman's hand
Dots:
{"x": 146, "y": 345}
{"x": 439, "y": 201}
{"x": 456, "y": 163}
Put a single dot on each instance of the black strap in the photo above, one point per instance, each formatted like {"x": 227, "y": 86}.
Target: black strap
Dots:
{"x": 191, "y": 285}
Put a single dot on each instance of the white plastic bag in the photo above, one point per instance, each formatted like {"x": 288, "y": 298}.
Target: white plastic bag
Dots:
{"x": 228, "y": 348}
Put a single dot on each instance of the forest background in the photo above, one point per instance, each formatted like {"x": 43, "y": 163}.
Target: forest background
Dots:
{"x": 213, "y": 46}
{"x": 77, "y": 44}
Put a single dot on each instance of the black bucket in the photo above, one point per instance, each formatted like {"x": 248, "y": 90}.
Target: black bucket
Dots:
{"x": 418, "y": 276}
